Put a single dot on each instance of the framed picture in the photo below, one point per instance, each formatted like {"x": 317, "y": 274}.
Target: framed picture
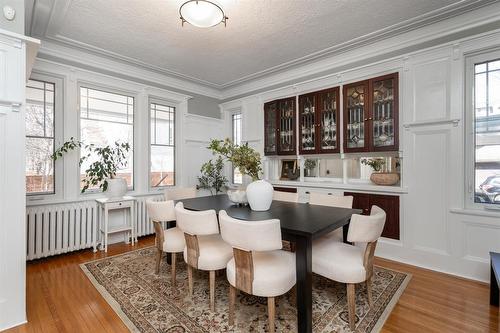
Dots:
{"x": 289, "y": 170}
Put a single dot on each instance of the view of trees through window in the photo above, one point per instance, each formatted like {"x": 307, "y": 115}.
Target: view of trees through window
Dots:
{"x": 106, "y": 118}
{"x": 39, "y": 137}
{"x": 162, "y": 129}
{"x": 236, "y": 125}
{"x": 487, "y": 131}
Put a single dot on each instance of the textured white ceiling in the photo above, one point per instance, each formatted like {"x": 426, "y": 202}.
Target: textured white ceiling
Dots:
{"x": 260, "y": 34}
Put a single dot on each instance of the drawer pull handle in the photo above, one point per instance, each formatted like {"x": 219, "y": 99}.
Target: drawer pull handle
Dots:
{"x": 307, "y": 192}
{"x": 120, "y": 204}
{"x": 329, "y": 194}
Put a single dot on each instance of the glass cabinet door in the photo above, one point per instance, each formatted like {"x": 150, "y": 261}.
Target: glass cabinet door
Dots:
{"x": 307, "y": 124}
{"x": 270, "y": 129}
{"x": 328, "y": 111}
{"x": 384, "y": 113}
{"x": 286, "y": 128}
{"x": 355, "y": 116}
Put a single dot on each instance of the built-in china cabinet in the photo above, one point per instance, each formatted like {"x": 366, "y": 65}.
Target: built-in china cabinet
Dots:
{"x": 318, "y": 122}
{"x": 280, "y": 127}
{"x": 371, "y": 115}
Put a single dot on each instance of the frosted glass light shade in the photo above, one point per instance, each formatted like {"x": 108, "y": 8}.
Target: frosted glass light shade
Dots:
{"x": 201, "y": 13}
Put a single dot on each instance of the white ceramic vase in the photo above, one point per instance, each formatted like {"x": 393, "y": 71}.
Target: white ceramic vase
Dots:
{"x": 260, "y": 195}
{"x": 117, "y": 187}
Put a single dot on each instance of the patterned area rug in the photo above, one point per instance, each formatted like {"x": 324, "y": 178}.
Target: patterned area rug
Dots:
{"x": 147, "y": 302}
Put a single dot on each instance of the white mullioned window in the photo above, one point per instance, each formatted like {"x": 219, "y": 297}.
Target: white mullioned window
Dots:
{"x": 105, "y": 118}
{"x": 162, "y": 145}
{"x": 236, "y": 137}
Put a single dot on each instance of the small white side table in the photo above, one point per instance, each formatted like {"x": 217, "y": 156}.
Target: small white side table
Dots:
{"x": 103, "y": 207}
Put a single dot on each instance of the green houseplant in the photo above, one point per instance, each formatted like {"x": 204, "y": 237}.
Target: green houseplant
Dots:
{"x": 259, "y": 193}
{"x": 102, "y": 172}
{"x": 212, "y": 176}
{"x": 309, "y": 166}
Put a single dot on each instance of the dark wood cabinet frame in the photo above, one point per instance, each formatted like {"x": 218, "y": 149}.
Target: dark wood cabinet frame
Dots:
{"x": 279, "y": 151}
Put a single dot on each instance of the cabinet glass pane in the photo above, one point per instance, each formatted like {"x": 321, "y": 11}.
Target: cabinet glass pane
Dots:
{"x": 328, "y": 105}
{"x": 287, "y": 125}
{"x": 356, "y": 116}
{"x": 383, "y": 113}
{"x": 308, "y": 123}
{"x": 270, "y": 128}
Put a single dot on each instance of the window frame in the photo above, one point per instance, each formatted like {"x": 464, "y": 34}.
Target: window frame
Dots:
{"x": 58, "y": 82}
{"x": 470, "y": 134}
{"x": 174, "y": 105}
{"x": 232, "y": 115}
{"x": 112, "y": 90}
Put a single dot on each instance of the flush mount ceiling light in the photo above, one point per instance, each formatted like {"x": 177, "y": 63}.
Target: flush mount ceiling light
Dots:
{"x": 202, "y": 13}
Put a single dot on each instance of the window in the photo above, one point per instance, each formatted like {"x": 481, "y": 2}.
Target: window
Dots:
{"x": 236, "y": 126}
{"x": 106, "y": 118}
{"x": 162, "y": 150}
{"x": 486, "y": 128}
{"x": 40, "y": 102}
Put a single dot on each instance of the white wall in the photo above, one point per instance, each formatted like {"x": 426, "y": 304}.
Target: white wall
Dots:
{"x": 13, "y": 50}
{"x": 438, "y": 229}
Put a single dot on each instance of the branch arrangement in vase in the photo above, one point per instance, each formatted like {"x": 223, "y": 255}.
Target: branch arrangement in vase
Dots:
{"x": 375, "y": 163}
{"x": 243, "y": 157}
{"x": 110, "y": 159}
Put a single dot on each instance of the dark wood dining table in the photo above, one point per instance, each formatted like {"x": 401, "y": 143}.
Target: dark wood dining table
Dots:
{"x": 301, "y": 223}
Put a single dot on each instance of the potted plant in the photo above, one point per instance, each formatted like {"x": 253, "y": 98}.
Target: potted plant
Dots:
{"x": 309, "y": 166}
{"x": 102, "y": 172}
{"x": 380, "y": 177}
{"x": 212, "y": 177}
{"x": 247, "y": 160}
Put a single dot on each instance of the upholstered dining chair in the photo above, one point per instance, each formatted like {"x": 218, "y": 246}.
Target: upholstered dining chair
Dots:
{"x": 323, "y": 199}
{"x": 285, "y": 196}
{"x": 169, "y": 240}
{"x": 205, "y": 250}
{"x": 259, "y": 267}
{"x": 351, "y": 264}
{"x": 179, "y": 193}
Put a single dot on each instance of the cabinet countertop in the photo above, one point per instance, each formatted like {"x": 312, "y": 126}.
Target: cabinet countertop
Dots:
{"x": 343, "y": 186}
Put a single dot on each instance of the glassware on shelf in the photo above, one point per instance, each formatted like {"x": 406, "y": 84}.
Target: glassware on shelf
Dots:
{"x": 356, "y": 116}
{"x": 383, "y": 113}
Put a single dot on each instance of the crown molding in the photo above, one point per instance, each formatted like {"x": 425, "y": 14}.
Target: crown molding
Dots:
{"x": 74, "y": 57}
{"x": 436, "y": 33}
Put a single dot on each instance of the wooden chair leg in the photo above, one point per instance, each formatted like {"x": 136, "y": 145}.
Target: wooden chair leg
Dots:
{"x": 271, "y": 310}
{"x": 190, "y": 280}
{"x": 158, "y": 260}
{"x": 369, "y": 291}
{"x": 232, "y": 299}
{"x": 351, "y": 304}
{"x": 173, "y": 256}
{"x": 212, "y": 290}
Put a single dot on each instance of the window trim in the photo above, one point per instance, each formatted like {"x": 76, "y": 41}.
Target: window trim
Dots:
{"x": 469, "y": 129}
{"x": 112, "y": 90}
{"x": 58, "y": 82}
{"x": 164, "y": 102}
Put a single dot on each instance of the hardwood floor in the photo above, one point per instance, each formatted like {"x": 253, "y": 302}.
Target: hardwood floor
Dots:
{"x": 61, "y": 299}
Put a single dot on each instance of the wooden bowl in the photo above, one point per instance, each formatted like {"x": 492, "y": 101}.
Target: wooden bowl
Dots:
{"x": 385, "y": 178}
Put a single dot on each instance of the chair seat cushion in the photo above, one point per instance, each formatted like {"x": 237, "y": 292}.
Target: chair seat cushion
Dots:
{"x": 173, "y": 240}
{"x": 214, "y": 252}
{"x": 274, "y": 273}
{"x": 338, "y": 261}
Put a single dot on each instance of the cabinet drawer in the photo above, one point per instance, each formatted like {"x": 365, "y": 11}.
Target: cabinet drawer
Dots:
{"x": 305, "y": 191}
{"x": 119, "y": 204}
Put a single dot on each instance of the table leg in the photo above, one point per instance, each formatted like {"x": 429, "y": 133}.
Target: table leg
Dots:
{"x": 494, "y": 291}
{"x": 303, "y": 259}
{"x": 345, "y": 230}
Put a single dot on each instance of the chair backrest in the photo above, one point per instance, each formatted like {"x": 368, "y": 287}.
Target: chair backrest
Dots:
{"x": 262, "y": 235}
{"x": 161, "y": 211}
{"x": 322, "y": 199}
{"x": 285, "y": 196}
{"x": 196, "y": 222}
{"x": 179, "y": 193}
{"x": 367, "y": 229}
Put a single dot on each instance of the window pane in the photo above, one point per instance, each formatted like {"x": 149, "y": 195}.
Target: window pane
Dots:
{"x": 162, "y": 159}
{"x": 487, "y": 134}
{"x": 39, "y": 165}
{"x": 39, "y": 137}
{"x": 162, "y": 166}
{"x": 109, "y": 120}
{"x": 236, "y": 125}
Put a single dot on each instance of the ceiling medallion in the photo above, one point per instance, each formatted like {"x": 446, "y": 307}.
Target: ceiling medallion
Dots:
{"x": 202, "y": 13}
